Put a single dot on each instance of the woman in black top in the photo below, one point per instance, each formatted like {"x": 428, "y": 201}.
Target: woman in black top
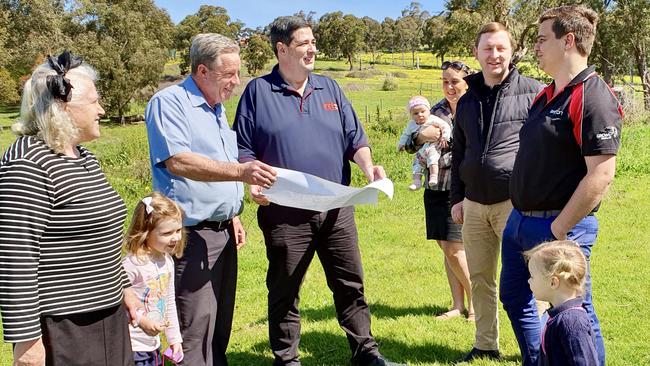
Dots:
{"x": 439, "y": 225}
{"x": 63, "y": 288}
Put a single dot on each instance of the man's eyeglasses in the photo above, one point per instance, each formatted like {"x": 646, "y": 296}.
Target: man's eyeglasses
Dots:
{"x": 456, "y": 65}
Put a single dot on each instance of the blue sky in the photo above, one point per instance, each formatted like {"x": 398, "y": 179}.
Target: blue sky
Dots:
{"x": 262, "y": 12}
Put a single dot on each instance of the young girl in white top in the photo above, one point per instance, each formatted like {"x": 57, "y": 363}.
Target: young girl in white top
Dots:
{"x": 156, "y": 233}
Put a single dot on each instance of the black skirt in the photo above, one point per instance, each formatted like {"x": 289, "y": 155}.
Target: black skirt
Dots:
{"x": 437, "y": 212}
{"x": 97, "y": 338}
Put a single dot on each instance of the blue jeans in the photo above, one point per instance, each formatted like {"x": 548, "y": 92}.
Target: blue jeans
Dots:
{"x": 523, "y": 233}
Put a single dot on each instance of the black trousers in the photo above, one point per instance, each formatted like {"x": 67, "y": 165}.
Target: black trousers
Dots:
{"x": 206, "y": 279}
{"x": 98, "y": 338}
{"x": 292, "y": 237}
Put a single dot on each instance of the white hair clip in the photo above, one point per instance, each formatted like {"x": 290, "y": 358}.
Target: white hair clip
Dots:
{"x": 147, "y": 204}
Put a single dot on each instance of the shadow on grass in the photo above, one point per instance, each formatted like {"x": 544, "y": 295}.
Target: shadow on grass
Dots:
{"x": 327, "y": 349}
{"x": 377, "y": 310}
{"x": 331, "y": 68}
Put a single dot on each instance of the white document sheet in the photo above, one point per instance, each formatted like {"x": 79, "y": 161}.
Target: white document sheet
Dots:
{"x": 306, "y": 191}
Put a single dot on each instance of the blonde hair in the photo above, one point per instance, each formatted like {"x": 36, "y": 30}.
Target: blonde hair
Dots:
{"x": 44, "y": 116}
{"x": 561, "y": 258}
{"x": 142, "y": 223}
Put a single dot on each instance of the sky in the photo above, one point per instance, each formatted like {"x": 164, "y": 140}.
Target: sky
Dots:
{"x": 262, "y": 12}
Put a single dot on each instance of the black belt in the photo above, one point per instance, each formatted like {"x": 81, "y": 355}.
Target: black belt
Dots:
{"x": 214, "y": 225}
{"x": 545, "y": 214}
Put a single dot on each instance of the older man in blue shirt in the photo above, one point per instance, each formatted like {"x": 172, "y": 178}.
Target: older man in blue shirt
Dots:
{"x": 193, "y": 156}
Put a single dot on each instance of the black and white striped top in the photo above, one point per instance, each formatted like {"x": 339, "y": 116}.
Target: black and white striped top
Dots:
{"x": 60, "y": 237}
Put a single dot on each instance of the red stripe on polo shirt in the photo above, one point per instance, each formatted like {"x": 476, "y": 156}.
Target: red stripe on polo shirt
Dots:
{"x": 620, "y": 107}
{"x": 576, "y": 111}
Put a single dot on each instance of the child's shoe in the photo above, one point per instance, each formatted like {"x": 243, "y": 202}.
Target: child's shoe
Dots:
{"x": 433, "y": 180}
{"x": 417, "y": 182}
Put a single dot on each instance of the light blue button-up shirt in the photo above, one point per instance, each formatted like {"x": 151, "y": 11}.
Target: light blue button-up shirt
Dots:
{"x": 179, "y": 120}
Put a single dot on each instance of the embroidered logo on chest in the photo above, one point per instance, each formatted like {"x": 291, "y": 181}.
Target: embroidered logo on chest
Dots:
{"x": 330, "y": 106}
{"x": 555, "y": 112}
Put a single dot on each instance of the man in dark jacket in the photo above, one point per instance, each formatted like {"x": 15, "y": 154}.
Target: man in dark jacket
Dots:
{"x": 486, "y": 140}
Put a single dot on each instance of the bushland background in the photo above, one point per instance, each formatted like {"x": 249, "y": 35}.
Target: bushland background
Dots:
{"x": 138, "y": 50}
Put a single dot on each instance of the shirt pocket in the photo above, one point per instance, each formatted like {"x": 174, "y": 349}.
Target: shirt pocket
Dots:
{"x": 229, "y": 138}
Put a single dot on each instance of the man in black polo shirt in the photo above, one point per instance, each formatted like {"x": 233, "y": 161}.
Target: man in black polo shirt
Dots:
{"x": 565, "y": 163}
{"x": 294, "y": 119}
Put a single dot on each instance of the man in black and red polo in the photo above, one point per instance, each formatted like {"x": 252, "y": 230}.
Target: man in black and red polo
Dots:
{"x": 565, "y": 163}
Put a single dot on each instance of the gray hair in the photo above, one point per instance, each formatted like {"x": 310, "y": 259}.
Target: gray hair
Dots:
{"x": 207, "y": 47}
{"x": 44, "y": 116}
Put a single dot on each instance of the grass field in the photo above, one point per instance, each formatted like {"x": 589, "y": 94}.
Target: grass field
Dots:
{"x": 404, "y": 276}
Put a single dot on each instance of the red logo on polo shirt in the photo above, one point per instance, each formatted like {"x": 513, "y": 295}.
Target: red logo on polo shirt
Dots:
{"x": 330, "y": 106}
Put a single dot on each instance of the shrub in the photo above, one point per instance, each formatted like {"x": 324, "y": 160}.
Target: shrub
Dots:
{"x": 8, "y": 89}
{"x": 389, "y": 84}
{"x": 399, "y": 74}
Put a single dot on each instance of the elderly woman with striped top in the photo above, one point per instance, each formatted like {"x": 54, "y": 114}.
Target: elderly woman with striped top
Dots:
{"x": 62, "y": 285}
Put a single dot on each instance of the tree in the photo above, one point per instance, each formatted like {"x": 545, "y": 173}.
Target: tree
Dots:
{"x": 327, "y": 33}
{"x": 30, "y": 30}
{"x": 128, "y": 42}
{"x": 635, "y": 14}
{"x": 256, "y": 53}
{"x": 373, "y": 36}
{"x": 351, "y": 37}
{"x": 209, "y": 19}
{"x": 8, "y": 90}
{"x": 434, "y": 35}
{"x": 410, "y": 28}
{"x": 388, "y": 29}
{"x": 309, "y": 17}
{"x": 340, "y": 35}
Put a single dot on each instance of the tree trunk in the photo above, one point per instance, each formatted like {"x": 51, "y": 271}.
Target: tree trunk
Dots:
{"x": 642, "y": 71}
{"x": 413, "y": 58}
{"x": 646, "y": 90}
{"x": 350, "y": 62}
{"x": 607, "y": 73}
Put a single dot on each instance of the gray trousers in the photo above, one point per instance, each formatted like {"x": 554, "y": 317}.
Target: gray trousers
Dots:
{"x": 206, "y": 278}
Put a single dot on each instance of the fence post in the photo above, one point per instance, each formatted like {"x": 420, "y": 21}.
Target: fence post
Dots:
{"x": 367, "y": 115}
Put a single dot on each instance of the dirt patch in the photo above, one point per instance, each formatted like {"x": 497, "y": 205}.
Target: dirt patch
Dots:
{"x": 355, "y": 87}
{"x": 399, "y": 74}
{"x": 363, "y": 74}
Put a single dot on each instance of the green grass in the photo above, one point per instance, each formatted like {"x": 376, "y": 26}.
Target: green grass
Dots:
{"x": 404, "y": 276}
